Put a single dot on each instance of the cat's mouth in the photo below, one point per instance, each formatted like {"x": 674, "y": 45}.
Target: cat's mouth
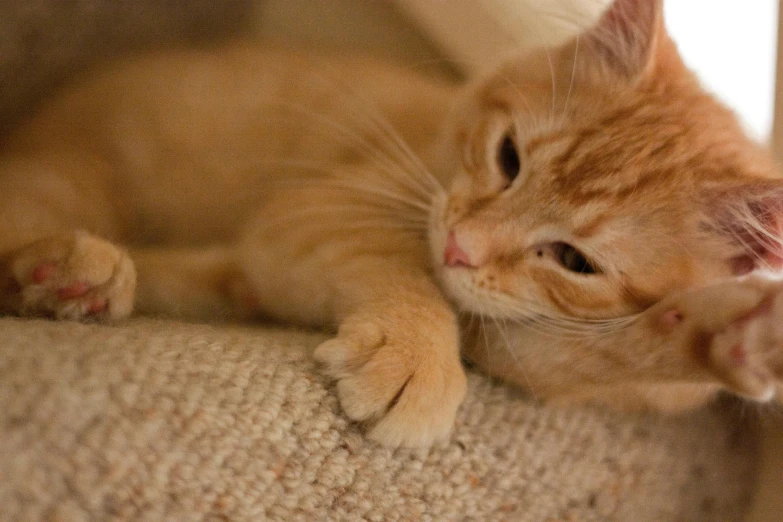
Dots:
{"x": 454, "y": 269}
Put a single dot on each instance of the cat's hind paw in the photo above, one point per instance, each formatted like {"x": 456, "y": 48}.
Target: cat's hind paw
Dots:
{"x": 393, "y": 379}
{"x": 70, "y": 276}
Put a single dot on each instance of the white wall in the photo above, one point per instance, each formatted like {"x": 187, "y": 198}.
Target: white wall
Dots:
{"x": 732, "y": 46}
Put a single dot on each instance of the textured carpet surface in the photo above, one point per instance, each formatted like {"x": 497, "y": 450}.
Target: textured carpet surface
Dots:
{"x": 164, "y": 421}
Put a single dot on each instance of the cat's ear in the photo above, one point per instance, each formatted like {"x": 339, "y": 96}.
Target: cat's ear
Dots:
{"x": 750, "y": 218}
{"x": 626, "y": 37}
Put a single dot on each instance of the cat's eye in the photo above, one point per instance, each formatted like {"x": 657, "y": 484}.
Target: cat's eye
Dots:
{"x": 573, "y": 260}
{"x": 508, "y": 158}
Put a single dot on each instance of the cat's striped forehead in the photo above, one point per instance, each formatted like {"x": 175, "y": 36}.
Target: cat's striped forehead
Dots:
{"x": 639, "y": 150}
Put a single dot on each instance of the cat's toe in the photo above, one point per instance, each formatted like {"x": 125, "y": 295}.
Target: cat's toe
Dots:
{"x": 71, "y": 276}
{"x": 415, "y": 419}
{"x": 404, "y": 398}
{"x": 736, "y": 356}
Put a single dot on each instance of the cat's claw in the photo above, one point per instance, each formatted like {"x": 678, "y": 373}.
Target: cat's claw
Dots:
{"x": 69, "y": 276}
{"x": 390, "y": 379}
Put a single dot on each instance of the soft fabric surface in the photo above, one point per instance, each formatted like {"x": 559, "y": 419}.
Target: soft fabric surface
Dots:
{"x": 165, "y": 421}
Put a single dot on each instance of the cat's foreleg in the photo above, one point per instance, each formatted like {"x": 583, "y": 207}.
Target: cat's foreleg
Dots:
{"x": 395, "y": 358}
{"x": 728, "y": 335}
{"x": 192, "y": 283}
{"x": 396, "y": 355}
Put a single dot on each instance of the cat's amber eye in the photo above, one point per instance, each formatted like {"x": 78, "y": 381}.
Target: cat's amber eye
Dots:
{"x": 573, "y": 260}
{"x": 508, "y": 158}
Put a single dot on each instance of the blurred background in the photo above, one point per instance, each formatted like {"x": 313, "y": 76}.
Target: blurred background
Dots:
{"x": 43, "y": 42}
{"x": 731, "y": 46}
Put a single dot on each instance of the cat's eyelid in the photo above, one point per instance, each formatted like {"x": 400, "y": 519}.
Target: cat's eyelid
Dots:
{"x": 568, "y": 258}
{"x": 547, "y": 236}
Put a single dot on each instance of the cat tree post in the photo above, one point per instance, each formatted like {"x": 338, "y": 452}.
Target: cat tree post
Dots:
{"x": 769, "y": 498}
{"x": 777, "y": 125}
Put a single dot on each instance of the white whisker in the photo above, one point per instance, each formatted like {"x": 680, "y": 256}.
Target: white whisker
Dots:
{"x": 511, "y": 352}
{"x": 350, "y": 184}
{"x": 571, "y": 83}
{"x": 381, "y": 158}
{"x": 554, "y": 81}
{"x": 567, "y": 327}
{"x": 382, "y": 125}
{"x": 346, "y": 214}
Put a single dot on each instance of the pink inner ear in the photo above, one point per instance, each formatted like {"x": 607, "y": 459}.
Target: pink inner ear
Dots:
{"x": 773, "y": 252}
{"x": 622, "y": 16}
{"x": 761, "y": 234}
{"x": 626, "y": 33}
{"x": 770, "y": 244}
{"x": 743, "y": 265}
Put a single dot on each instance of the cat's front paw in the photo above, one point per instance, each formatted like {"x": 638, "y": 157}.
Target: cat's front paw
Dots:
{"x": 735, "y": 329}
{"x": 402, "y": 378}
{"x": 69, "y": 276}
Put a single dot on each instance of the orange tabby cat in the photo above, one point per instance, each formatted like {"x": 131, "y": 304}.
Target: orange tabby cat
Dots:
{"x": 560, "y": 206}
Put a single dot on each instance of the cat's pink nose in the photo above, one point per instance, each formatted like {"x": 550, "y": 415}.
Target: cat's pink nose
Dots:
{"x": 454, "y": 256}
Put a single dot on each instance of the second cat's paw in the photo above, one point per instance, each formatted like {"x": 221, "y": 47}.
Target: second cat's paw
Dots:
{"x": 406, "y": 383}
{"x": 735, "y": 329}
{"x": 68, "y": 276}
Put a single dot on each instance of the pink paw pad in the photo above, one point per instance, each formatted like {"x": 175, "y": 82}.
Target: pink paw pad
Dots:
{"x": 73, "y": 291}
{"x": 97, "y": 306}
{"x": 672, "y": 318}
{"x": 43, "y": 272}
{"x": 737, "y": 355}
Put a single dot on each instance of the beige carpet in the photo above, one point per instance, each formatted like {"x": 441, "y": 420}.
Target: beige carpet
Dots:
{"x": 165, "y": 421}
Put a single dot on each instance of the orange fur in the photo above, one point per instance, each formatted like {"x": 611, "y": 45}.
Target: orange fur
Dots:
{"x": 325, "y": 191}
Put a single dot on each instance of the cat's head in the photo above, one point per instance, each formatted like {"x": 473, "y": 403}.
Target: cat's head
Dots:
{"x": 595, "y": 177}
